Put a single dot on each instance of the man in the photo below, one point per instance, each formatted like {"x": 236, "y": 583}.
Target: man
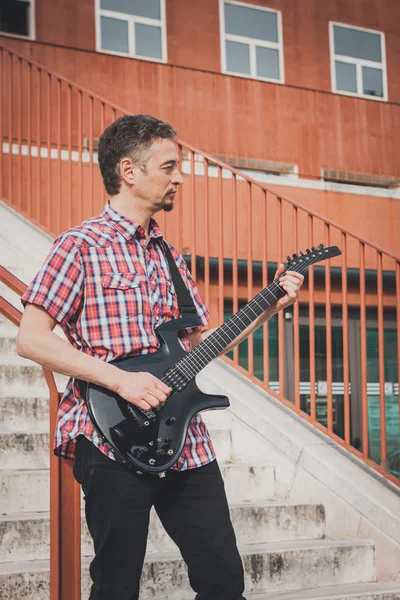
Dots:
{"x": 107, "y": 283}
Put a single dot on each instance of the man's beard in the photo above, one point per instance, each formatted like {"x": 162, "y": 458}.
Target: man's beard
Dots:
{"x": 167, "y": 206}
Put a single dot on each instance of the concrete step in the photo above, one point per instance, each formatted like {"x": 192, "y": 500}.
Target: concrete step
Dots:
{"x": 20, "y": 450}
{"x": 8, "y": 329}
{"x": 8, "y": 346}
{"x": 22, "y": 414}
{"x": 25, "y": 488}
{"x": 357, "y": 591}
{"x": 25, "y": 537}
{"x": 17, "y": 371}
{"x": 268, "y": 567}
{"x": 18, "y": 375}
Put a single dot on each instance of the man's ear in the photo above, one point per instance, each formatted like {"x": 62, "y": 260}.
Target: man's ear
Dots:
{"x": 127, "y": 170}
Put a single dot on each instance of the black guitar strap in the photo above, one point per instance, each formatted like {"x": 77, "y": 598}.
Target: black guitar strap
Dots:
{"x": 185, "y": 300}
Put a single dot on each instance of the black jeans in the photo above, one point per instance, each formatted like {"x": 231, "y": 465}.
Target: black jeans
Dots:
{"x": 192, "y": 507}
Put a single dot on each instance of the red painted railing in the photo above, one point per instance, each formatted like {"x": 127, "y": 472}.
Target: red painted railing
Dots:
{"x": 334, "y": 358}
{"x": 65, "y": 513}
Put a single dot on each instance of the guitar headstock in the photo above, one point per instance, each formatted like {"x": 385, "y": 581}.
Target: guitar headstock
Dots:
{"x": 305, "y": 259}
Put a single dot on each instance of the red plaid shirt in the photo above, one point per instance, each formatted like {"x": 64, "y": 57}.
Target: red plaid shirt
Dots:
{"x": 109, "y": 290}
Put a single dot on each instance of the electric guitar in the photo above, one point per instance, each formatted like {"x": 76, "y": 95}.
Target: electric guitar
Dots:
{"x": 152, "y": 441}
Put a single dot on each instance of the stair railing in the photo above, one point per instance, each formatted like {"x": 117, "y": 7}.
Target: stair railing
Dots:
{"x": 65, "y": 510}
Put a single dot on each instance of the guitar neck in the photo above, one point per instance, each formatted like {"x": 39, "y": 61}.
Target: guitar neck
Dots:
{"x": 217, "y": 342}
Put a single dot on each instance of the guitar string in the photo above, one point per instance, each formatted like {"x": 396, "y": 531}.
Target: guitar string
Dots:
{"x": 245, "y": 312}
{"x": 185, "y": 365}
{"x": 197, "y": 359}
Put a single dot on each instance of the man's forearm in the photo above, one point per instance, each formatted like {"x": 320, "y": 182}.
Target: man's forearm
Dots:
{"x": 257, "y": 323}
{"x": 56, "y": 354}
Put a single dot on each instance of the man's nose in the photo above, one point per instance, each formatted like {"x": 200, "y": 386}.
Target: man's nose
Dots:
{"x": 177, "y": 178}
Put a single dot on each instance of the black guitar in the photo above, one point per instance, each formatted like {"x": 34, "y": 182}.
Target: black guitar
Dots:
{"x": 152, "y": 441}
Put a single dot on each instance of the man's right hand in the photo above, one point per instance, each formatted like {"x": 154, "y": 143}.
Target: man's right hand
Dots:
{"x": 142, "y": 389}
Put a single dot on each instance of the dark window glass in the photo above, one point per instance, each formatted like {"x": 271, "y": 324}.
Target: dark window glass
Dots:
{"x": 14, "y": 17}
{"x": 237, "y": 58}
{"x": 148, "y": 40}
{"x": 372, "y": 81}
{"x": 140, "y": 8}
{"x": 267, "y": 61}
{"x": 114, "y": 35}
{"x": 346, "y": 79}
{"x": 391, "y": 401}
{"x": 358, "y": 44}
{"x": 250, "y": 22}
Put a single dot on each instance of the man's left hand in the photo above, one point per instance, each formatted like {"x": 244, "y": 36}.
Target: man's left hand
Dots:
{"x": 291, "y": 282}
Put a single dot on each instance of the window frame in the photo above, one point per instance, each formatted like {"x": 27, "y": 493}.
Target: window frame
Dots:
{"x": 32, "y": 25}
{"x": 131, "y": 20}
{"x": 358, "y": 63}
{"x": 252, "y": 43}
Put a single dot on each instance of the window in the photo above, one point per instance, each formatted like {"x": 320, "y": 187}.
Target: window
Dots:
{"x": 358, "y": 62}
{"x": 17, "y": 18}
{"x": 251, "y": 41}
{"x": 132, "y": 28}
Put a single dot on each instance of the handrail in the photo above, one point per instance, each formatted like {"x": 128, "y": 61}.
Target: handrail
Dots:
{"x": 15, "y": 284}
{"x": 291, "y": 201}
{"x": 64, "y": 79}
{"x": 65, "y": 546}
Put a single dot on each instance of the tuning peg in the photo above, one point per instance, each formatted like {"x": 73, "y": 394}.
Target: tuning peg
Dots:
{"x": 314, "y": 249}
{"x": 295, "y": 256}
{"x": 288, "y": 259}
{"x": 308, "y": 251}
{"x": 301, "y": 252}
{"x": 321, "y": 247}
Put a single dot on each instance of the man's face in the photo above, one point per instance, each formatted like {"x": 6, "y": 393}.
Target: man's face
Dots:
{"x": 157, "y": 184}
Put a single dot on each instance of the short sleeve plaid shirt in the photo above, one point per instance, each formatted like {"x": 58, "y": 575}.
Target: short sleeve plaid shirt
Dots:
{"x": 109, "y": 289}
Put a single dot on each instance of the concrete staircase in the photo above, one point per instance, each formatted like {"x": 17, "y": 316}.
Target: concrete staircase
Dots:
{"x": 283, "y": 545}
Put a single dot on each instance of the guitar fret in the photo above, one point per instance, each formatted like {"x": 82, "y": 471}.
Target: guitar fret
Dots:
{"x": 224, "y": 335}
{"x": 215, "y": 343}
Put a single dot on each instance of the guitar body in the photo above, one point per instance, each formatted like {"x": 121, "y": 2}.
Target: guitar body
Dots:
{"x": 151, "y": 441}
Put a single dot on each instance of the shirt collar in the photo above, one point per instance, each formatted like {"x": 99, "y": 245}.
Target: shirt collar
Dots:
{"x": 126, "y": 226}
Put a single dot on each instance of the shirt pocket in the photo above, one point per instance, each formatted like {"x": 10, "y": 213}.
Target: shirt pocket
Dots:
{"x": 123, "y": 294}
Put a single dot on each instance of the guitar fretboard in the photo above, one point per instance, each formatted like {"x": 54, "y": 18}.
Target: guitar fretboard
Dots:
{"x": 223, "y": 336}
